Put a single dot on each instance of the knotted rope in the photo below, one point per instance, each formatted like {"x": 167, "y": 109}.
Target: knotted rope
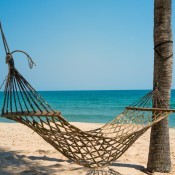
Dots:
{"x": 30, "y": 61}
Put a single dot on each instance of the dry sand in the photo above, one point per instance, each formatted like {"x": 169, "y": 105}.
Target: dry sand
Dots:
{"x": 24, "y": 152}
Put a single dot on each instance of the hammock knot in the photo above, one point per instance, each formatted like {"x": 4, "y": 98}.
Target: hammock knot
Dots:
{"x": 9, "y": 60}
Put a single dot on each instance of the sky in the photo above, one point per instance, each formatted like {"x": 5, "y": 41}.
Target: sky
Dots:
{"x": 81, "y": 44}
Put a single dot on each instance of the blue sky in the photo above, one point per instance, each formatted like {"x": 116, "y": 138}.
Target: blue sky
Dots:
{"x": 81, "y": 44}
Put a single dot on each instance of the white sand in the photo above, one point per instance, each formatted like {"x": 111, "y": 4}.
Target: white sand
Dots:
{"x": 24, "y": 152}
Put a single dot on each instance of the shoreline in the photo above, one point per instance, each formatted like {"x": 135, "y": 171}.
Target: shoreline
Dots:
{"x": 74, "y": 122}
{"x": 24, "y": 152}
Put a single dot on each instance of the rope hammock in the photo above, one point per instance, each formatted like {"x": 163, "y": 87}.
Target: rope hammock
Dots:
{"x": 92, "y": 149}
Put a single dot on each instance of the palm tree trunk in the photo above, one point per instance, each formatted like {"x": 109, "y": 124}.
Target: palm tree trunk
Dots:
{"x": 159, "y": 150}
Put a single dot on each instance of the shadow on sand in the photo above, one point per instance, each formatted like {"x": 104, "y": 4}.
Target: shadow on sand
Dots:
{"x": 13, "y": 162}
{"x": 137, "y": 167}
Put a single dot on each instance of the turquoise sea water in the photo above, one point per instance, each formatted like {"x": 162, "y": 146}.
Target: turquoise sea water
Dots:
{"x": 93, "y": 106}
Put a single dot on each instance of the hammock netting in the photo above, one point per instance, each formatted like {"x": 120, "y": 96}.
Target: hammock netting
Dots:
{"x": 93, "y": 149}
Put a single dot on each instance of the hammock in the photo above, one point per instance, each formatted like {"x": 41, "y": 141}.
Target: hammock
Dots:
{"x": 91, "y": 149}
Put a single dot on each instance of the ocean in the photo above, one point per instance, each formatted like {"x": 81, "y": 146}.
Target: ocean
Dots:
{"x": 99, "y": 106}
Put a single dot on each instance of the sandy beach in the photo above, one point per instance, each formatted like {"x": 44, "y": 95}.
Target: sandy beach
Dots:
{"x": 24, "y": 152}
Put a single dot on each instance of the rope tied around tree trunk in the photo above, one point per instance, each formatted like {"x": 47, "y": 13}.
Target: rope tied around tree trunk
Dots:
{"x": 156, "y": 85}
{"x": 157, "y": 51}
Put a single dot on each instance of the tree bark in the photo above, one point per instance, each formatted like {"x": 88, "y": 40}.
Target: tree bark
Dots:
{"x": 159, "y": 151}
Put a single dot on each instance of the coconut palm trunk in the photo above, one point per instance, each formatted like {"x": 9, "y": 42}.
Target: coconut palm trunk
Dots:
{"x": 159, "y": 152}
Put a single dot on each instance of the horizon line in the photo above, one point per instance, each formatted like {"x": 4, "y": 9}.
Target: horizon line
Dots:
{"x": 97, "y": 90}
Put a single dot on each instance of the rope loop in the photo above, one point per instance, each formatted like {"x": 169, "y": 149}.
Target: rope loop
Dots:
{"x": 162, "y": 59}
{"x": 30, "y": 61}
{"x": 157, "y": 51}
{"x": 9, "y": 57}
